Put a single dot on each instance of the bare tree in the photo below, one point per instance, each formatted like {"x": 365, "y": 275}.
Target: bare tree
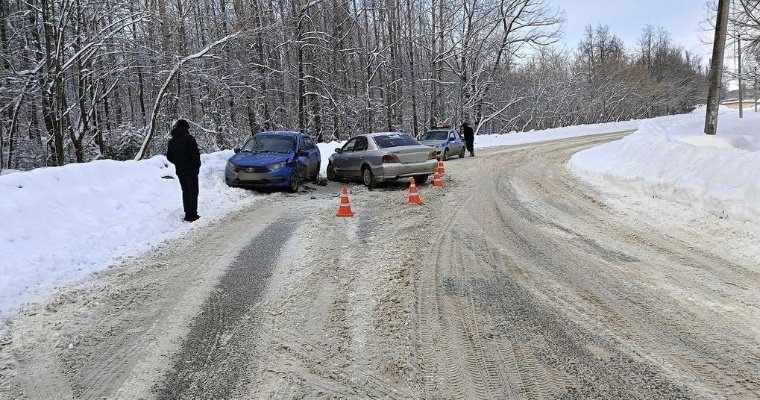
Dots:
{"x": 162, "y": 92}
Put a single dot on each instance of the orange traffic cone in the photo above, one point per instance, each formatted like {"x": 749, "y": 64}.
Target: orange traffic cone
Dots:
{"x": 345, "y": 206}
{"x": 440, "y": 170}
{"x": 437, "y": 182}
{"x": 414, "y": 197}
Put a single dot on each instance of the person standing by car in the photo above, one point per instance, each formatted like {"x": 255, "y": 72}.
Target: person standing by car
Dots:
{"x": 469, "y": 138}
{"x": 183, "y": 153}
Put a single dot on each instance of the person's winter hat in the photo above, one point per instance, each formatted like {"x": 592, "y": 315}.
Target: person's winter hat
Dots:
{"x": 182, "y": 124}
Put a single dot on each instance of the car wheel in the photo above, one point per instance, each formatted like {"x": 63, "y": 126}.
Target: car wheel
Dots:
{"x": 368, "y": 178}
{"x": 420, "y": 179}
{"x": 294, "y": 182}
{"x": 445, "y": 155}
{"x": 315, "y": 175}
{"x": 331, "y": 175}
{"x": 461, "y": 153}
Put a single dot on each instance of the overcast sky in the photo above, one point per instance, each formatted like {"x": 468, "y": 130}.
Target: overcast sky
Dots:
{"x": 626, "y": 18}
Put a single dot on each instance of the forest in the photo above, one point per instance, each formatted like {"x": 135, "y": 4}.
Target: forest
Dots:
{"x": 92, "y": 79}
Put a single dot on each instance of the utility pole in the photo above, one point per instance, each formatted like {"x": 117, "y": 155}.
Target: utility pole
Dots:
{"x": 716, "y": 68}
{"x": 739, "y": 74}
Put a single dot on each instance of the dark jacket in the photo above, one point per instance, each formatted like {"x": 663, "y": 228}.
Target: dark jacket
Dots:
{"x": 468, "y": 133}
{"x": 183, "y": 152}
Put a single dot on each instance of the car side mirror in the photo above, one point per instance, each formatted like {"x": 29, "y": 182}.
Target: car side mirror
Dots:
{"x": 237, "y": 150}
{"x": 339, "y": 150}
{"x": 452, "y": 138}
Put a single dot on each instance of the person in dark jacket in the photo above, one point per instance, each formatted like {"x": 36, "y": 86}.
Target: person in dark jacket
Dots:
{"x": 183, "y": 153}
{"x": 469, "y": 138}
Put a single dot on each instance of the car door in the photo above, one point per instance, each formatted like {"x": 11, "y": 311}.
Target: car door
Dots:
{"x": 340, "y": 160}
{"x": 355, "y": 158}
{"x": 303, "y": 158}
{"x": 457, "y": 144}
{"x": 313, "y": 156}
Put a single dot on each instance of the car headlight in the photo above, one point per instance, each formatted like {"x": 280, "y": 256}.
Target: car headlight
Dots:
{"x": 279, "y": 165}
{"x": 231, "y": 166}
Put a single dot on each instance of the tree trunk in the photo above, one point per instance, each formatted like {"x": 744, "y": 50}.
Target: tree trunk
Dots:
{"x": 4, "y": 66}
{"x": 412, "y": 79}
{"x": 82, "y": 82}
{"x": 2, "y": 149}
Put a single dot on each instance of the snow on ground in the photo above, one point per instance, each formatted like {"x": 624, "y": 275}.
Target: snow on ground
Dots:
{"x": 671, "y": 158}
{"x": 516, "y": 138}
{"x": 61, "y": 224}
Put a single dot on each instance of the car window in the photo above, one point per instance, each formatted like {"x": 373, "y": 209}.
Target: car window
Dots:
{"x": 270, "y": 144}
{"x": 435, "y": 135}
{"x": 349, "y": 146}
{"x": 361, "y": 144}
{"x": 395, "y": 139}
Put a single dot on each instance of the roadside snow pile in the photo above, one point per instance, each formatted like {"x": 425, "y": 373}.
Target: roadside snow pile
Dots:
{"x": 671, "y": 158}
{"x": 60, "y": 224}
{"x": 325, "y": 151}
{"x": 517, "y": 138}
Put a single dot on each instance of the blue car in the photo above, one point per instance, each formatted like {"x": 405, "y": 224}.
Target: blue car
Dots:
{"x": 274, "y": 160}
{"x": 446, "y": 141}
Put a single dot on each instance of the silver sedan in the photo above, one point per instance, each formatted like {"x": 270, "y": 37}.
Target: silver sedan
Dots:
{"x": 378, "y": 157}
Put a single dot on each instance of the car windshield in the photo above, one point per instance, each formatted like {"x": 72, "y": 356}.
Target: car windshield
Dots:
{"x": 394, "y": 140}
{"x": 270, "y": 144}
{"x": 435, "y": 135}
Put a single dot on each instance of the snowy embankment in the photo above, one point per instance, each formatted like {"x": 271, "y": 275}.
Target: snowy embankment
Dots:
{"x": 671, "y": 158}
{"x": 61, "y": 223}
{"x": 518, "y": 138}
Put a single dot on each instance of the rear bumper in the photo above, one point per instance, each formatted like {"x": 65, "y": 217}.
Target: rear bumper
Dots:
{"x": 395, "y": 171}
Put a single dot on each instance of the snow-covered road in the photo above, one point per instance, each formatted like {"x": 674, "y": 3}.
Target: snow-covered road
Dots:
{"x": 517, "y": 280}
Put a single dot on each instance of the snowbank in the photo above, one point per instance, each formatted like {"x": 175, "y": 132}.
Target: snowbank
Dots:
{"x": 517, "y": 138}
{"x": 671, "y": 158}
{"x": 62, "y": 223}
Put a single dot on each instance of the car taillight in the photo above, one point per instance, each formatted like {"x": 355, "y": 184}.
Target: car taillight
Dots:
{"x": 390, "y": 158}
{"x": 433, "y": 155}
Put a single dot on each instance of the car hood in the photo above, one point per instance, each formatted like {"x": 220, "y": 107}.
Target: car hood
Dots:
{"x": 248, "y": 159}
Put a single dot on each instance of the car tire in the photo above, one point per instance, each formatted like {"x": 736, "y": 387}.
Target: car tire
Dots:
{"x": 315, "y": 175}
{"x": 368, "y": 177}
{"x": 420, "y": 179}
{"x": 445, "y": 155}
{"x": 461, "y": 153}
{"x": 294, "y": 182}
{"x": 331, "y": 175}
